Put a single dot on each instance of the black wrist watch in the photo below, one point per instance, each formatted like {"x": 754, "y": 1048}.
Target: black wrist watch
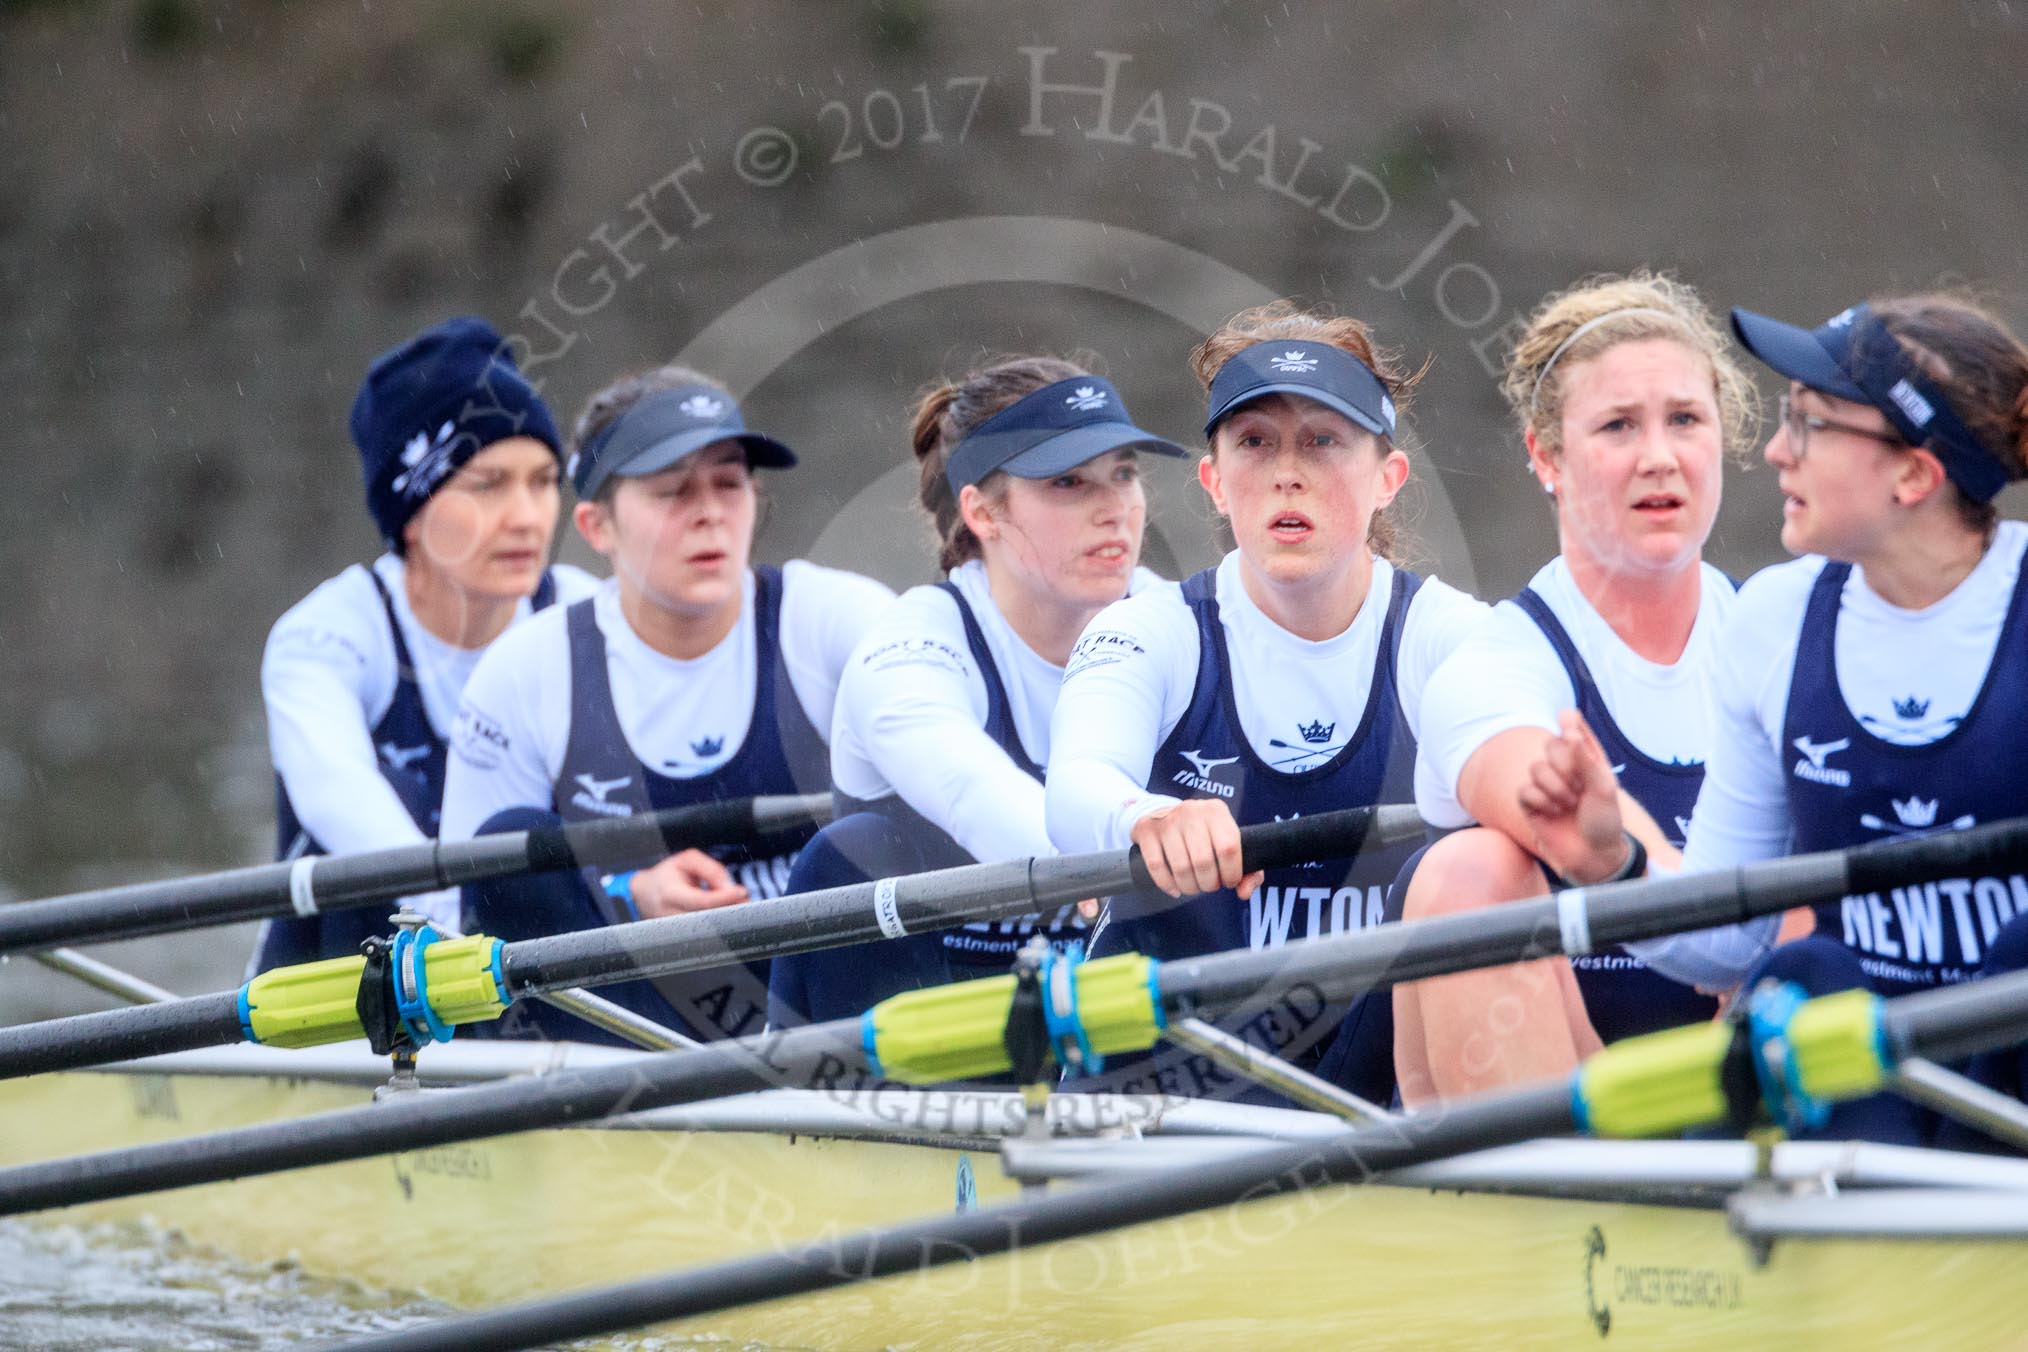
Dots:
{"x": 1637, "y": 861}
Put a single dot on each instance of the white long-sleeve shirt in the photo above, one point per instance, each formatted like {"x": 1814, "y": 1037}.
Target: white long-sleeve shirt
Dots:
{"x": 911, "y": 719}
{"x": 514, "y": 724}
{"x": 1882, "y": 654}
{"x": 1132, "y": 673}
{"x": 328, "y": 676}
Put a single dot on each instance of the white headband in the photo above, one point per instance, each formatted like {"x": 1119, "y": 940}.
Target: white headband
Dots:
{"x": 1535, "y": 395}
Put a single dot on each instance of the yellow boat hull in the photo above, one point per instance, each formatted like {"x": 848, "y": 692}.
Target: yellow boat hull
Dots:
{"x": 524, "y": 1216}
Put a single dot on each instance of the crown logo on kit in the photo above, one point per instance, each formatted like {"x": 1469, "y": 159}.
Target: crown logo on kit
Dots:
{"x": 1318, "y": 732}
{"x": 708, "y": 746}
{"x": 1916, "y": 811}
{"x": 1910, "y": 707}
{"x": 1295, "y": 362}
{"x": 1085, "y": 398}
{"x": 425, "y": 459}
{"x": 702, "y": 406}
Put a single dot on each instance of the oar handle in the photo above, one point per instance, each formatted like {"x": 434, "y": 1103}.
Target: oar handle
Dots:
{"x": 316, "y": 884}
{"x": 1996, "y": 847}
{"x": 1324, "y": 835}
{"x": 636, "y": 842}
{"x": 890, "y": 908}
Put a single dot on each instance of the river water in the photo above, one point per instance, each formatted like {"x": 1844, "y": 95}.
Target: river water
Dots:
{"x": 135, "y": 1288}
{"x": 131, "y": 1287}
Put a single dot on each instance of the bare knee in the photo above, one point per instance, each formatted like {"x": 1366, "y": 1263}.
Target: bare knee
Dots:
{"x": 1468, "y": 870}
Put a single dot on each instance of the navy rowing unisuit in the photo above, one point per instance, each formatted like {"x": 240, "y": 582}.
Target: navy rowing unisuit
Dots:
{"x": 886, "y": 837}
{"x": 1207, "y": 754}
{"x": 411, "y": 756}
{"x": 602, "y": 777}
{"x": 1846, "y": 787}
{"x": 1622, "y": 996}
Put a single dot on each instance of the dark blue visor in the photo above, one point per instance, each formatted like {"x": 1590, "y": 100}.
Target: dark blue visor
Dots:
{"x": 1854, "y": 357}
{"x": 1322, "y": 372}
{"x": 663, "y": 429}
{"x": 1054, "y": 429}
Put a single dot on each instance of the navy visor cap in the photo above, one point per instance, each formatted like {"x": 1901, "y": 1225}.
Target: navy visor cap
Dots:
{"x": 662, "y": 430}
{"x": 1049, "y": 431}
{"x": 1322, "y": 372}
{"x": 1853, "y": 356}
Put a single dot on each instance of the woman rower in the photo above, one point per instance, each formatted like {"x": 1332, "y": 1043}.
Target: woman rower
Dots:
{"x": 362, "y": 676}
{"x": 1878, "y": 686}
{"x": 1627, "y": 399}
{"x": 691, "y": 676}
{"x": 1285, "y": 680}
{"x": 1030, "y": 475}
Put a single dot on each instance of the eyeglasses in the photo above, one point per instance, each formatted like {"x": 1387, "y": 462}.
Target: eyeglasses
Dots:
{"x": 1800, "y": 422}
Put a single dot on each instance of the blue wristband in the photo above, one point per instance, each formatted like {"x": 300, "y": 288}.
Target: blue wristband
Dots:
{"x": 620, "y": 887}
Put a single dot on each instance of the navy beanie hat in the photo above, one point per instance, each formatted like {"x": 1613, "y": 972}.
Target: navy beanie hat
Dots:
{"x": 433, "y": 403}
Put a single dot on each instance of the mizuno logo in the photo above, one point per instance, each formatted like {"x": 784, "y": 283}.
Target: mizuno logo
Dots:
{"x": 401, "y": 757}
{"x": 1916, "y": 811}
{"x": 707, "y": 746}
{"x": 1842, "y": 318}
{"x": 1202, "y": 781}
{"x": 1819, "y": 751}
{"x": 1085, "y": 398}
{"x": 702, "y": 407}
{"x": 1317, "y": 733}
{"x": 1812, "y": 766}
{"x": 1911, "y": 402}
{"x": 1295, "y": 361}
{"x": 1205, "y": 764}
{"x": 591, "y": 796}
{"x": 1910, "y": 707}
{"x": 599, "y": 788}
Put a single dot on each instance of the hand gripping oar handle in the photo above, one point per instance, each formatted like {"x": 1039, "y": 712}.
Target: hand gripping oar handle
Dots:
{"x": 475, "y": 977}
{"x": 915, "y": 904}
{"x": 318, "y": 883}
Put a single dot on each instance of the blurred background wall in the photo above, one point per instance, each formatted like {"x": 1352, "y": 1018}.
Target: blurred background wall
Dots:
{"x": 215, "y": 214}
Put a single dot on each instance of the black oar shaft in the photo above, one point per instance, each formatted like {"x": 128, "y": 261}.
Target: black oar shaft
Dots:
{"x": 180, "y": 903}
{"x": 863, "y": 912}
{"x": 417, "y": 1121}
{"x": 858, "y": 913}
{"x": 705, "y": 939}
{"x": 1953, "y": 1022}
{"x": 120, "y": 1034}
{"x": 1353, "y": 1156}
{"x": 1342, "y": 966}
{"x": 342, "y": 882}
